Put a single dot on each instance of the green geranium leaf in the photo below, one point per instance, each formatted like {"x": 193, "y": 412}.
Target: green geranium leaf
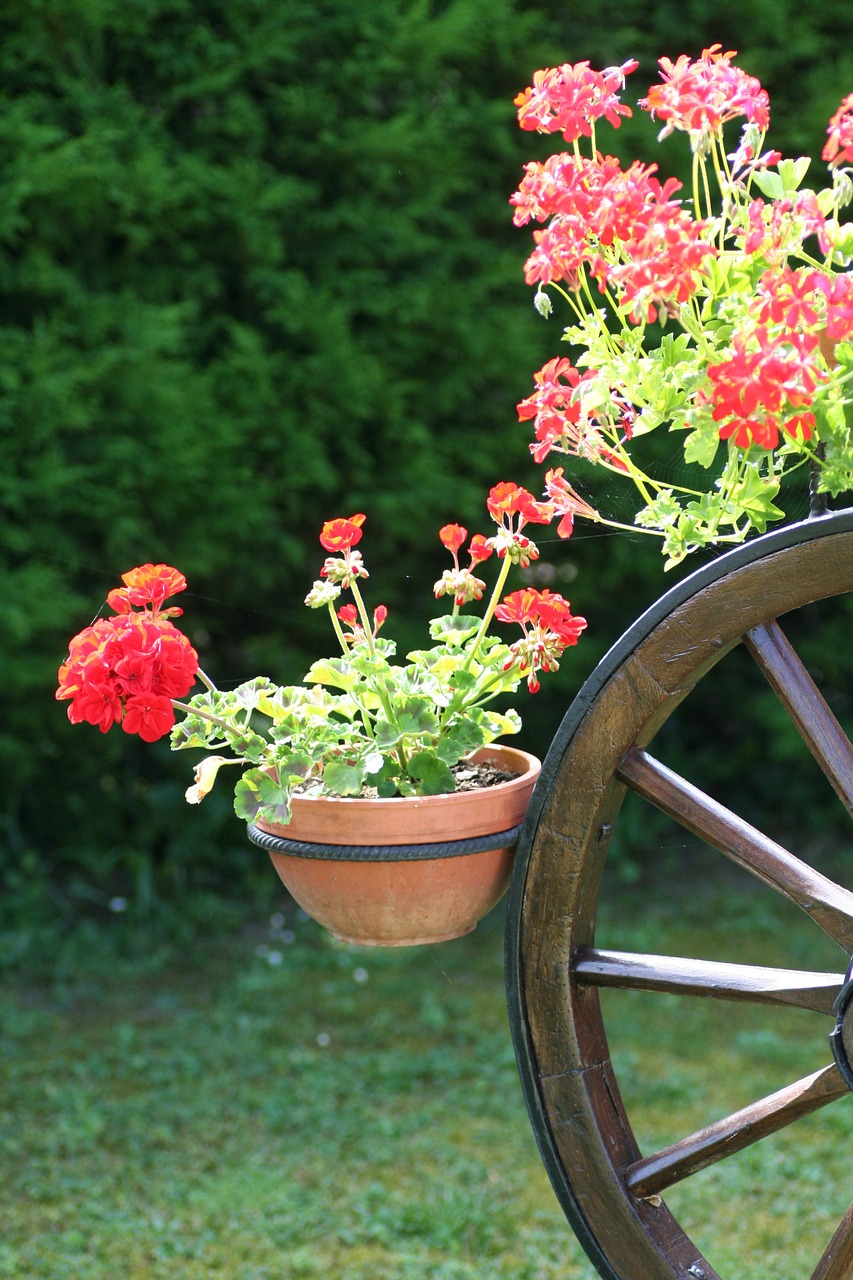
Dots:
{"x": 197, "y": 730}
{"x": 416, "y": 715}
{"x": 292, "y": 766}
{"x": 292, "y": 700}
{"x": 374, "y": 762}
{"x": 769, "y": 184}
{"x": 413, "y": 717}
{"x": 387, "y": 734}
{"x": 702, "y": 441}
{"x": 663, "y": 513}
{"x": 432, "y": 774}
{"x": 463, "y": 681}
{"x": 258, "y": 795}
{"x": 454, "y": 631}
{"x": 369, "y": 665}
{"x": 343, "y": 779}
{"x": 459, "y": 741}
{"x": 252, "y": 692}
{"x": 249, "y": 745}
{"x": 182, "y": 737}
{"x": 497, "y": 724}
{"x": 440, "y": 661}
{"x": 792, "y": 172}
{"x": 842, "y": 245}
{"x": 381, "y": 646}
{"x": 247, "y": 799}
{"x": 336, "y": 673}
{"x": 754, "y": 496}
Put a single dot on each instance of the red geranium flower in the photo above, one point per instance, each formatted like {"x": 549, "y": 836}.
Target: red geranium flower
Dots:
{"x": 754, "y": 390}
{"x": 97, "y": 702}
{"x": 479, "y": 549}
{"x": 348, "y": 615}
{"x": 126, "y": 669}
{"x": 452, "y": 536}
{"x": 342, "y": 533}
{"x": 549, "y": 627}
{"x": 175, "y": 663}
{"x": 147, "y": 585}
{"x": 150, "y": 715}
{"x": 508, "y": 499}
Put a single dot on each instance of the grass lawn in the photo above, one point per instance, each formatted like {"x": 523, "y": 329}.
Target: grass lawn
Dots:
{"x": 264, "y": 1104}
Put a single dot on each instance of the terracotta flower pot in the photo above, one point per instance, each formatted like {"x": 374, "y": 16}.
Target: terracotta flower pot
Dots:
{"x": 404, "y": 871}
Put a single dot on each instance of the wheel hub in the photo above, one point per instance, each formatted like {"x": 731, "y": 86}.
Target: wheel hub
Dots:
{"x": 841, "y": 1038}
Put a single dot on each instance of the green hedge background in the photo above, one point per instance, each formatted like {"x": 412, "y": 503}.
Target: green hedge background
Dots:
{"x": 257, "y": 268}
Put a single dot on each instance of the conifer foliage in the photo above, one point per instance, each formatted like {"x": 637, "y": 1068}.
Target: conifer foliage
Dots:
{"x": 256, "y": 262}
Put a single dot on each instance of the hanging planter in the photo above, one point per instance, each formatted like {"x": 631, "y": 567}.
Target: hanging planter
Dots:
{"x": 404, "y": 871}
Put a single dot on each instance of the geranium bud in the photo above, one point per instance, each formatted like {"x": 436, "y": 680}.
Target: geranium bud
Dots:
{"x": 322, "y": 594}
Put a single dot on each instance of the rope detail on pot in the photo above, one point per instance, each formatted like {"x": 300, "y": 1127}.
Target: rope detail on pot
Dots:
{"x": 384, "y": 853}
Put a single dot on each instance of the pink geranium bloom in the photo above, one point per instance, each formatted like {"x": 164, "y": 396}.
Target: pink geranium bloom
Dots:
{"x": 569, "y": 99}
{"x": 701, "y": 96}
{"x": 839, "y": 146}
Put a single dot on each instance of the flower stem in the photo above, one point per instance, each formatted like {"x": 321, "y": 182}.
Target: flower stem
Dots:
{"x": 206, "y": 715}
{"x": 487, "y": 616}
{"x": 381, "y": 687}
{"x": 342, "y": 640}
{"x": 629, "y": 528}
{"x": 697, "y": 208}
{"x": 818, "y": 503}
{"x": 365, "y": 621}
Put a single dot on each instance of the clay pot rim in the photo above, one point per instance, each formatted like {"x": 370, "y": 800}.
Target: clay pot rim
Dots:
{"x": 503, "y": 756}
{"x": 369, "y": 820}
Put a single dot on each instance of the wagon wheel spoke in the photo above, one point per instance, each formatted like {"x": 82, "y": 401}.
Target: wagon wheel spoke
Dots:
{"x": 806, "y": 706}
{"x": 829, "y": 905}
{"x": 707, "y": 1146}
{"x": 837, "y": 1260}
{"x": 680, "y": 975}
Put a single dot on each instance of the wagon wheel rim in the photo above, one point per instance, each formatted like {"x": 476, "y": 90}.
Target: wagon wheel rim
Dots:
{"x": 610, "y": 1191}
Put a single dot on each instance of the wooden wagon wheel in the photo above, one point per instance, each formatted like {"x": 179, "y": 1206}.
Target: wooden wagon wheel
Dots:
{"x": 611, "y": 1191}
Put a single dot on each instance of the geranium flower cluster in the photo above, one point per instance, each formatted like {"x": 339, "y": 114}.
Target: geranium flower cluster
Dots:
{"x": 761, "y": 387}
{"x": 128, "y": 669}
{"x": 549, "y": 628}
{"x": 460, "y": 581}
{"x": 622, "y": 228}
{"x": 360, "y": 720}
{"x": 545, "y": 617}
{"x": 729, "y": 320}
{"x": 512, "y": 507}
{"x": 562, "y": 421}
{"x": 568, "y": 100}
{"x": 700, "y": 97}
